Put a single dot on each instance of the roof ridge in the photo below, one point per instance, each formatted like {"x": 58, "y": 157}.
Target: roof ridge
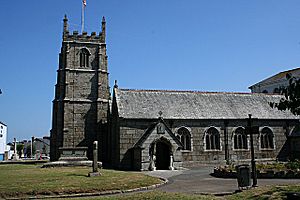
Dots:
{"x": 290, "y": 70}
{"x": 191, "y": 91}
{"x": 275, "y": 75}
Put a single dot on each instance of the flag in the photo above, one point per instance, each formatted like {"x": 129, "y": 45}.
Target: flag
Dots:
{"x": 84, "y": 2}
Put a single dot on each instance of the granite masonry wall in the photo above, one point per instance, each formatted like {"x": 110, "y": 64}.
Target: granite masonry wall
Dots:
{"x": 130, "y": 130}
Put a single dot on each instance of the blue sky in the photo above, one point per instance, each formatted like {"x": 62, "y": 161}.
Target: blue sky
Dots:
{"x": 204, "y": 45}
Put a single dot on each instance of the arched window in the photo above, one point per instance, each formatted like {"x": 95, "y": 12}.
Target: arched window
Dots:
{"x": 240, "y": 139}
{"x": 265, "y": 91}
{"x": 185, "y": 137}
{"x": 212, "y": 139}
{"x": 276, "y": 91}
{"x": 266, "y": 138}
{"x": 84, "y": 58}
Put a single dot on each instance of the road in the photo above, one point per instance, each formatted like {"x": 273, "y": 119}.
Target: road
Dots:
{"x": 199, "y": 181}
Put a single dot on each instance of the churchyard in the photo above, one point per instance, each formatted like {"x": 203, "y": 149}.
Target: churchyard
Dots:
{"x": 24, "y": 181}
{"x": 32, "y": 180}
{"x": 261, "y": 193}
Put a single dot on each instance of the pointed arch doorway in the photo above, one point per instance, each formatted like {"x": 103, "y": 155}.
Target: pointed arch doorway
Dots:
{"x": 161, "y": 155}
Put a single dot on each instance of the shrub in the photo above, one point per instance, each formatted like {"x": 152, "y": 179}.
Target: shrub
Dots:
{"x": 293, "y": 165}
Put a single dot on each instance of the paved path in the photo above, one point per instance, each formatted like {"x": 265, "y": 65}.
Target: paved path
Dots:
{"x": 198, "y": 181}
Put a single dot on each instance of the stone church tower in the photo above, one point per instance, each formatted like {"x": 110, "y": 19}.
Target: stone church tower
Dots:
{"x": 82, "y": 95}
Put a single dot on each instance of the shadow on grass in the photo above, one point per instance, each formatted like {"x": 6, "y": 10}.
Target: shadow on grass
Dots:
{"x": 77, "y": 175}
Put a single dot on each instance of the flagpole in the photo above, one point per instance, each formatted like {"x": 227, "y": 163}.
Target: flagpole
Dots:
{"x": 82, "y": 18}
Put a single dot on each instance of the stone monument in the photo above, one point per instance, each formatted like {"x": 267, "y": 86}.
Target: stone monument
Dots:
{"x": 95, "y": 160}
{"x": 15, "y": 156}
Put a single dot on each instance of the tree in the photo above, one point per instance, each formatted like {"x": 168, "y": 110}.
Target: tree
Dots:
{"x": 291, "y": 100}
{"x": 28, "y": 150}
{"x": 20, "y": 148}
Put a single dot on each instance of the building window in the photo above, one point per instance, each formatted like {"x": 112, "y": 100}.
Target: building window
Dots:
{"x": 265, "y": 91}
{"x": 185, "y": 138}
{"x": 240, "y": 140}
{"x": 276, "y": 91}
{"x": 266, "y": 138}
{"x": 84, "y": 58}
{"x": 212, "y": 139}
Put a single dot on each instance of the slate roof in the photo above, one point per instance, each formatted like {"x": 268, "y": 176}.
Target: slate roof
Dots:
{"x": 279, "y": 76}
{"x": 146, "y": 104}
{"x": 2, "y": 123}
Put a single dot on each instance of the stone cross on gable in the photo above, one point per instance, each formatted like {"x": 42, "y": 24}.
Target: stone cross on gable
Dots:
{"x": 160, "y": 113}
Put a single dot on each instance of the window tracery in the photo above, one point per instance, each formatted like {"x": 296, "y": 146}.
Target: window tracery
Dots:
{"x": 84, "y": 57}
{"x": 185, "y": 138}
{"x": 212, "y": 139}
{"x": 240, "y": 140}
{"x": 266, "y": 138}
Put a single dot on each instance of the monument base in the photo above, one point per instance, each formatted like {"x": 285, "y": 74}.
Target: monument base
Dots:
{"x": 73, "y": 154}
{"x": 69, "y": 163}
{"x": 92, "y": 174}
{"x": 15, "y": 157}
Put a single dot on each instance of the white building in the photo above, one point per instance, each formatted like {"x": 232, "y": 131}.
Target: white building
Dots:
{"x": 273, "y": 83}
{"x": 3, "y": 136}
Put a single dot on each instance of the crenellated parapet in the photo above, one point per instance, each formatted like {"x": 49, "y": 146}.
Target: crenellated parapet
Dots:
{"x": 75, "y": 36}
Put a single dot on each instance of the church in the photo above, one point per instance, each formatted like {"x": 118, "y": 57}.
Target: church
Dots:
{"x": 154, "y": 129}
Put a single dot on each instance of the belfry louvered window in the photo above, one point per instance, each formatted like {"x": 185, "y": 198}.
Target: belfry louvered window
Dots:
{"x": 185, "y": 138}
{"x": 240, "y": 139}
{"x": 212, "y": 139}
{"x": 84, "y": 58}
{"x": 266, "y": 138}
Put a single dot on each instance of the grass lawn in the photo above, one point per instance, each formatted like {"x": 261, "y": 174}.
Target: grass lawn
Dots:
{"x": 259, "y": 193}
{"x": 29, "y": 180}
{"x": 267, "y": 192}
{"x": 162, "y": 196}
{"x": 152, "y": 195}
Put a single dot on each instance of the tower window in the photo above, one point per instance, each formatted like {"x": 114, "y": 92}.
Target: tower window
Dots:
{"x": 185, "y": 138}
{"x": 84, "y": 58}
{"x": 212, "y": 139}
